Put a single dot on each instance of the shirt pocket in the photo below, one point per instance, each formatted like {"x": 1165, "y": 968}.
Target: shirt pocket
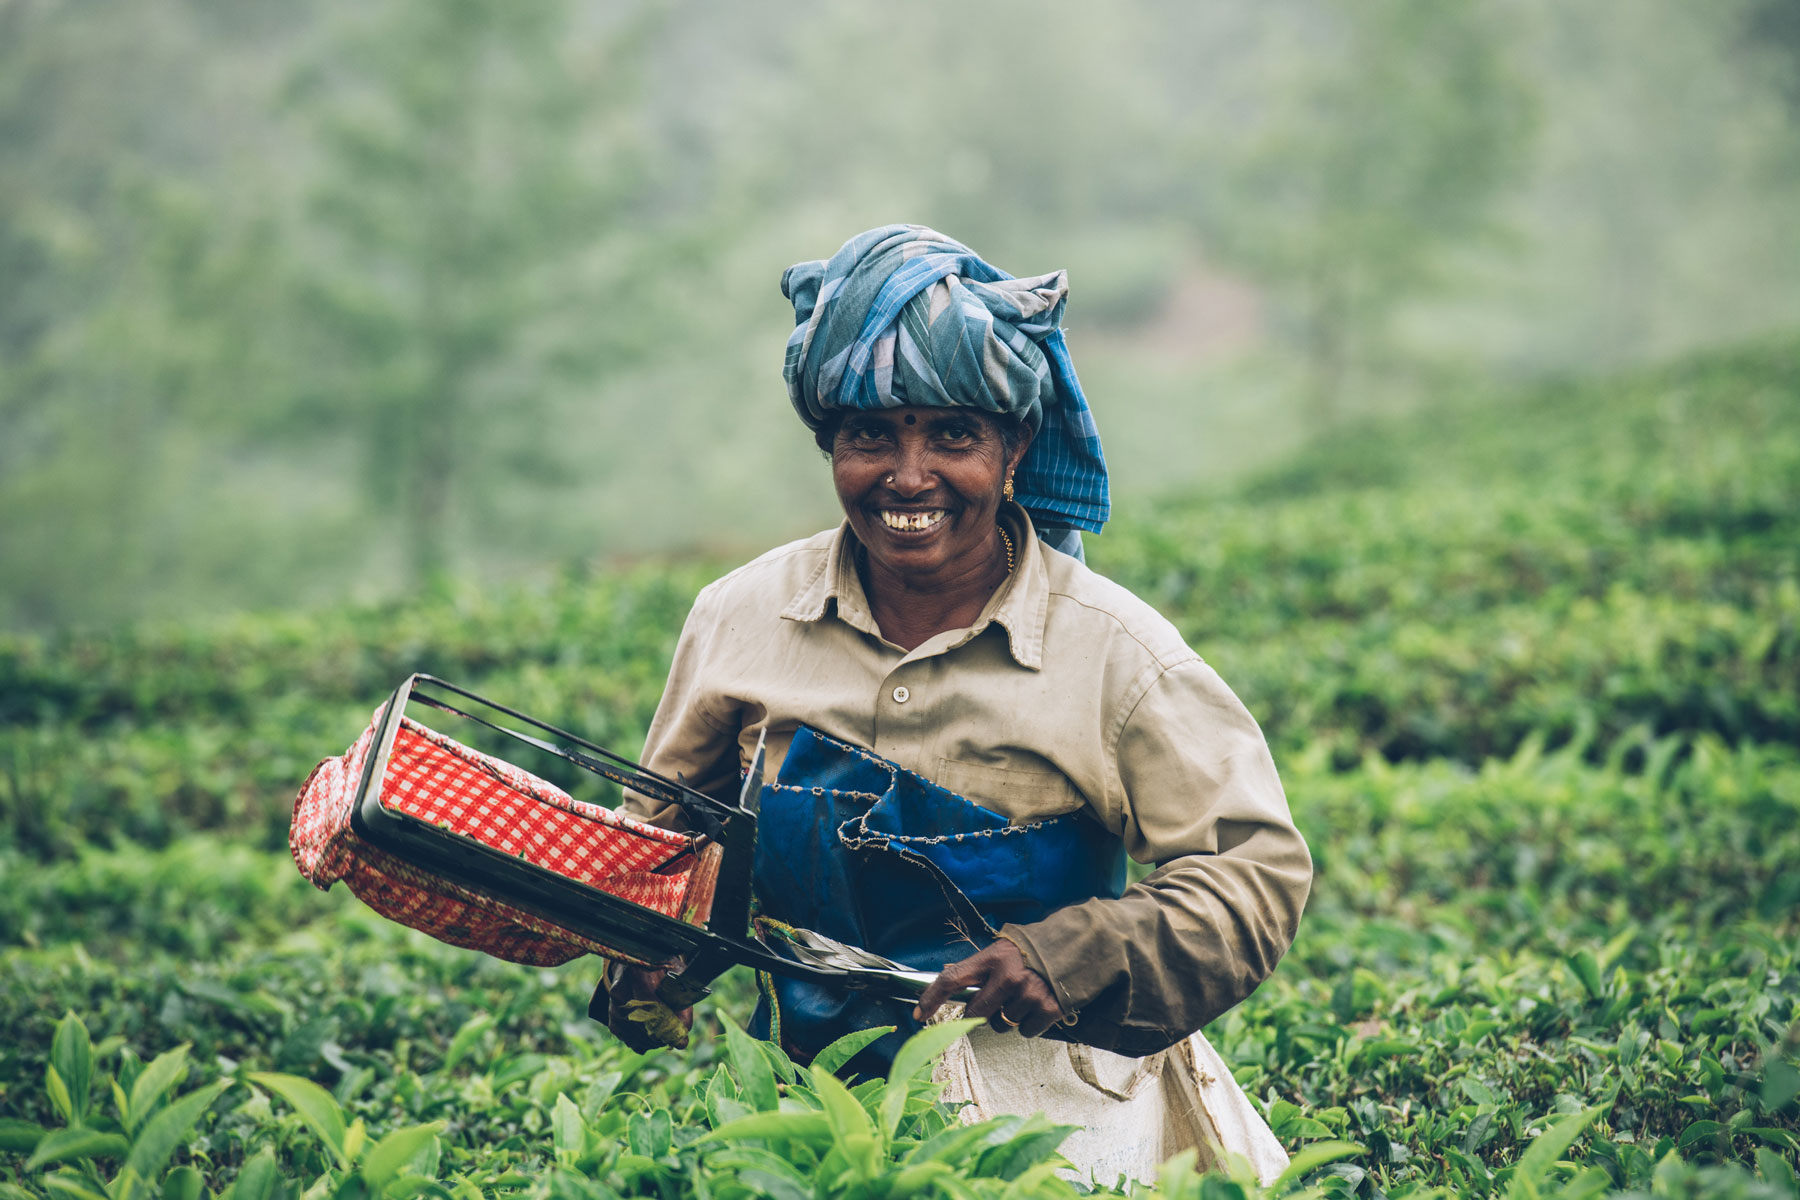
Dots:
{"x": 1019, "y": 794}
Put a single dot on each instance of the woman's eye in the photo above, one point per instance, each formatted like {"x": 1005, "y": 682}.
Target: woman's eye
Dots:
{"x": 955, "y": 433}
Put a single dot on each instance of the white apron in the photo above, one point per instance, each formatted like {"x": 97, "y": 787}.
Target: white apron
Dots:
{"x": 1134, "y": 1113}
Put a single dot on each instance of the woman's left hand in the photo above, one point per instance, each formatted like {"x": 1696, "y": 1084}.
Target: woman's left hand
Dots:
{"x": 1011, "y": 995}
{"x": 637, "y": 1018}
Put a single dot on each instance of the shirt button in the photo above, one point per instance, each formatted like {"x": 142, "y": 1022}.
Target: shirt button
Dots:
{"x": 901, "y": 695}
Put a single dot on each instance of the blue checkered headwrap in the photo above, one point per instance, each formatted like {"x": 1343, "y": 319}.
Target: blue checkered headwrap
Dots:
{"x": 904, "y": 315}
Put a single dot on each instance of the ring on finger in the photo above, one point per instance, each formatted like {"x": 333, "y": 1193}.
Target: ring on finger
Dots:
{"x": 1010, "y": 1023}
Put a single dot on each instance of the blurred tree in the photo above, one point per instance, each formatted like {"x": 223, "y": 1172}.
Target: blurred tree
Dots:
{"x": 480, "y": 219}
{"x": 476, "y": 249}
{"x": 1773, "y": 28}
{"x": 1390, "y": 130}
{"x": 129, "y": 304}
{"x": 1027, "y": 133}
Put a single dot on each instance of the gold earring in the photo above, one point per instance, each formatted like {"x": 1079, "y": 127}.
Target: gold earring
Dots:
{"x": 1007, "y": 492}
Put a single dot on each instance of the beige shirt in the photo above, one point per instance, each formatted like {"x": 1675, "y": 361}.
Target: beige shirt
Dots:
{"x": 1068, "y": 692}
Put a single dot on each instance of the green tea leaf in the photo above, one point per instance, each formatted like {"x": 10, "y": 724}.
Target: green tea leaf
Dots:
{"x": 408, "y": 1186}
{"x": 466, "y": 1038}
{"x": 356, "y": 1136}
{"x": 957, "y": 1143}
{"x": 76, "y": 1188}
{"x": 1775, "y": 1169}
{"x": 651, "y": 1134}
{"x": 1587, "y": 970}
{"x": 924, "y": 1046}
{"x": 1480, "y": 1130}
{"x": 1615, "y": 947}
{"x": 847, "y": 1118}
{"x": 317, "y": 1109}
{"x": 512, "y": 1070}
{"x": 1477, "y": 1091}
{"x": 1547, "y": 1149}
{"x": 756, "y": 1079}
{"x": 1179, "y": 1176}
{"x": 1773, "y": 1136}
{"x": 162, "y": 1073}
{"x": 256, "y": 1179}
{"x": 158, "y": 1138}
{"x": 808, "y": 1128}
{"x": 1379, "y": 1048}
{"x": 183, "y": 1183}
{"x": 601, "y": 1089}
{"x": 1310, "y": 1158}
{"x": 1594, "y": 1181}
{"x": 1698, "y": 1131}
{"x": 779, "y": 1062}
{"x": 59, "y": 1094}
{"x": 662, "y": 1132}
{"x": 911, "y": 1180}
{"x": 1473, "y": 1167}
{"x": 567, "y": 1130}
{"x": 720, "y": 1091}
{"x": 425, "y": 1163}
{"x": 18, "y": 1136}
{"x": 767, "y": 1174}
{"x": 848, "y": 1047}
{"x": 73, "y": 1057}
{"x": 752, "y": 1162}
{"x": 1033, "y": 1141}
{"x": 385, "y": 1158}
{"x": 892, "y": 1105}
{"x": 62, "y": 1145}
{"x": 1781, "y": 1083}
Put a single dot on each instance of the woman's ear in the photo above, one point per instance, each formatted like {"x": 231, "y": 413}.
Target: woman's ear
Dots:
{"x": 1016, "y": 455}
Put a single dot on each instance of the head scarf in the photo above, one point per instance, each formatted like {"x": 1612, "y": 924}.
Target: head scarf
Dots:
{"x": 904, "y": 315}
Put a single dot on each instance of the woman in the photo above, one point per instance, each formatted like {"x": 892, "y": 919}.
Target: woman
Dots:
{"x": 970, "y": 727}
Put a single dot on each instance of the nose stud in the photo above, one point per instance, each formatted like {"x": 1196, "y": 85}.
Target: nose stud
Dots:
{"x": 889, "y": 479}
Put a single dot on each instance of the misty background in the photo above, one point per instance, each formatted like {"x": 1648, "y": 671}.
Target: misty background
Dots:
{"x": 306, "y": 299}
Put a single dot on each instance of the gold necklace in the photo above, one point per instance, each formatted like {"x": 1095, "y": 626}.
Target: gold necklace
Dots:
{"x": 1001, "y": 530}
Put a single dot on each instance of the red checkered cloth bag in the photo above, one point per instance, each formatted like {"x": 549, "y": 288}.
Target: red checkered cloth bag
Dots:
{"x": 436, "y": 779}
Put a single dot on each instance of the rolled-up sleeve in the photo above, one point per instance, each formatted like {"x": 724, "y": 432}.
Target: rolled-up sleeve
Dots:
{"x": 1197, "y": 794}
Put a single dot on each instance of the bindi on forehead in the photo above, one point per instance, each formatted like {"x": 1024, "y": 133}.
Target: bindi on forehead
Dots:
{"x": 911, "y": 419}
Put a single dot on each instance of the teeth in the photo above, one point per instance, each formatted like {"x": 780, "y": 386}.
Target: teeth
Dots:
{"x": 911, "y": 520}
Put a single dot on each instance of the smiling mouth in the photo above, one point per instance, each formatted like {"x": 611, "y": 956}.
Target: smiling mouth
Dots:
{"x": 910, "y": 522}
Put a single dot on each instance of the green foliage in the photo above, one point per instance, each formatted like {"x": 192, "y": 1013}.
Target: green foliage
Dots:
{"x": 1772, "y": 27}
{"x": 1389, "y": 150}
{"x": 1540, "y": 735}
{"x": 1575, "y": 564}
{"x": 303, "y": 298}
{"x": 812, "y": 1135}
{"x": 154, "y": 732}
{"x": 155, "y": 1133}
{"x": 457, "y": 235}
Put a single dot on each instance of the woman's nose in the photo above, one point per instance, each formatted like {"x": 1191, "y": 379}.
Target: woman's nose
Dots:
{"x": 912, "y": 468}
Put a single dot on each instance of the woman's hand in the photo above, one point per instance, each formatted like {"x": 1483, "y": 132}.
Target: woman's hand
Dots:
{"x": 637, "y": 1018}
{"x": 1012, "y": 995}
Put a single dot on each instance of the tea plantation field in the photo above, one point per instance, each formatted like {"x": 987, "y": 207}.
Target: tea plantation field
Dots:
{"x": 1531, "y": 670}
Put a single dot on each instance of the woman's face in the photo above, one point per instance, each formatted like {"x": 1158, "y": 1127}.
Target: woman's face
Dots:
{"x": 921, "y": 487}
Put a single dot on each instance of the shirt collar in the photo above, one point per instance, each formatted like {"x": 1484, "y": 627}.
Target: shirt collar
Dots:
{"x": 1020, "y": 606}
